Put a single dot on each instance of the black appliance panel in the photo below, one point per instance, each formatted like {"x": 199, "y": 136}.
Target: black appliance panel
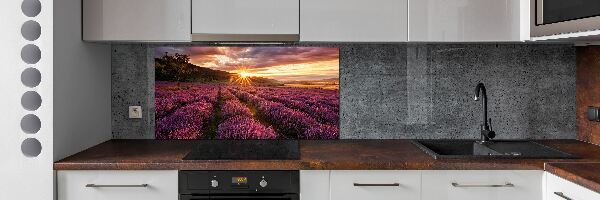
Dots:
{"x": 232, "y": 182}
{"x": 191, "y": 180}
{"x": 237, "y": 197}
{"x": 554, "y": 11}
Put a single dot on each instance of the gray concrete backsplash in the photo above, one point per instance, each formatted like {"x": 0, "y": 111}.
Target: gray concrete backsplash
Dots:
{"x": 393, "y": 91}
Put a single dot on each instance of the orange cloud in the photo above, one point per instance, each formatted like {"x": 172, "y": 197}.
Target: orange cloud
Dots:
{"x": 283, "y": 63}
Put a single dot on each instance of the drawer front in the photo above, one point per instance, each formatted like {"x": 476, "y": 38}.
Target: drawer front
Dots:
{"x": 560, "y": 189}
{"x": 117, "y": 185}
{"x": 375, "y": 185}
{"x": 314, "y": 185}
{"x": 482, "y": 184}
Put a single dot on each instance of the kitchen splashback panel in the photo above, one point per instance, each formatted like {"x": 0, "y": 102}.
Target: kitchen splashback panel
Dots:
{"x": 408, "y": 90}
{"x": 246, "y": 92}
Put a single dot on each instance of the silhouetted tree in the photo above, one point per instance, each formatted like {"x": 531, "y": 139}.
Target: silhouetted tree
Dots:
{"x": 177, "y": 67}
{"x": 173, "y": 68}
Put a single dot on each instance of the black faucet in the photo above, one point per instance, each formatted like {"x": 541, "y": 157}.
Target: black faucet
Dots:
{"x": 486, "y": 129}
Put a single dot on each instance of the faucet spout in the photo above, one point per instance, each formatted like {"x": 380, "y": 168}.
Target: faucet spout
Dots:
{"x": 480, "y": 94}
{"x": 483, "y": 97}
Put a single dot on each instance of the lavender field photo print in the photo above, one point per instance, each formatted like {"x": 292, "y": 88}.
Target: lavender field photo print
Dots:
{"x": 204, "y": 92}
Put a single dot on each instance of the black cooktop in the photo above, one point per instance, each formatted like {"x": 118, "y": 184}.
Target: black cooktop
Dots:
{"x": 244, "y": 150}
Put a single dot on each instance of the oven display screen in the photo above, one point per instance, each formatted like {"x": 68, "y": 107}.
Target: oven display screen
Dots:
{"x": 239, "y": 180}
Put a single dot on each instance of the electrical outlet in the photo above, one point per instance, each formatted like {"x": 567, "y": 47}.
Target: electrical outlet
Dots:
{"x": 593, "y": 114}
{"x": 135, "y": 112}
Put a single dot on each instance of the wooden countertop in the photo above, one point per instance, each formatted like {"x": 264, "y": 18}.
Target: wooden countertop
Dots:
{"x": 326, "y": 154}
{"x": 584, "y": 174}
{"x": 332, "y": 155}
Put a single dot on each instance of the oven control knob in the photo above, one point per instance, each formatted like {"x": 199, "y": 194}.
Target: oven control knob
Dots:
{"x": 263, "y": 183}
{"x": 214, "y": 183}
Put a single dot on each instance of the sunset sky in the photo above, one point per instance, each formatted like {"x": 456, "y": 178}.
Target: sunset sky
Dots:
{"x": 280, "y": 63}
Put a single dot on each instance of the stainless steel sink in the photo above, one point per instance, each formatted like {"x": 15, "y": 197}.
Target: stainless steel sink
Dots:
{"x": 495, "y": 149}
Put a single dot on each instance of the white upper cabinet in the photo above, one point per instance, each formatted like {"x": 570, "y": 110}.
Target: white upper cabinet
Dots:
{"x": 307, "y": 20}
{"x": 353, "y": 20}
{"x": 468, "y": 20}
{"x": 245, "y": 20}
{"x": 136, "y": 20}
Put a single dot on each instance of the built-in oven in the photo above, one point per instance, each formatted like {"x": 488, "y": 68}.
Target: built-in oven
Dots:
{"x": 239, "y": 197}
{"x": 238, "y": 185}
{"x": 552, "y": 17}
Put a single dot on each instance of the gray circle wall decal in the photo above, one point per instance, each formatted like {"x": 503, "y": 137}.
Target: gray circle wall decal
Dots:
{"x": 31, "y": 124}
{"x": 31, "y": 147}
{"x": 31, "y": 8}
{"x": 31, "y": 30}
{"x": 31, "y": 54}
{"x": 31, "y": 77}
{"x": 31, "y": 100}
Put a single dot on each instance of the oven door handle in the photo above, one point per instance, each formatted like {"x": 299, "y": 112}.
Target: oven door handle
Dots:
{"x": 239, "y": 196}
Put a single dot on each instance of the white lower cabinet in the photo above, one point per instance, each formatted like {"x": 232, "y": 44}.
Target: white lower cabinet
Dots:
{"x": 375, "y": 185}
{"x": 421, "y": 185}
{"x": 560, "y": 189}
{"x": 482, "y": 185}
{"x": 314, "y": 184}
{"x": 117, "y": 185}
{"x": 341, "y": 185}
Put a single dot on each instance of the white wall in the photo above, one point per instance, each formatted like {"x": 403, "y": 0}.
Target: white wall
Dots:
{"x": 79, "y": 75}
{"x": 82, "y": 97}
{"x": 24, "y": 177}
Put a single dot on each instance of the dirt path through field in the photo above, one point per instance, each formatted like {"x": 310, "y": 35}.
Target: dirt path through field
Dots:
{"x": 210, "y": 131}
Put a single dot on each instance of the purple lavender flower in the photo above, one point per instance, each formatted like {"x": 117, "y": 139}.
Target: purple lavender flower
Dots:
{"x": 242, "y": 127}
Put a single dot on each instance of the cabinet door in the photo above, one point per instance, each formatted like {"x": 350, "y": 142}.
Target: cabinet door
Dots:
{"x": 117, "y": 185}
{"x": 375, "y": 185}
{"x": 220, "y": 17}
{"x": 353, "y": 20}
{"x": 560, "y": 189}
{"x": 314, "y": 185}
{"x": 468, "y": 20}
{"x": 482, "y": 184}
{"x": 136, "y": 20}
